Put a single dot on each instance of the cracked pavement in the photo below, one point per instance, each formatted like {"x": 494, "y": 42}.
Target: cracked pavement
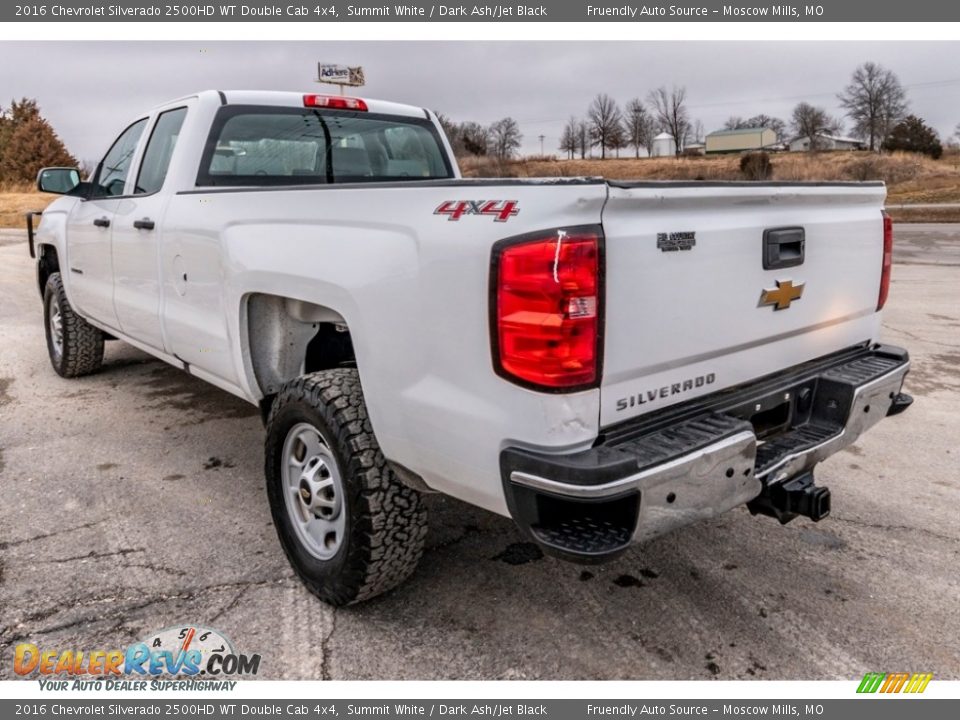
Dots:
{"x": 133, "y": 500}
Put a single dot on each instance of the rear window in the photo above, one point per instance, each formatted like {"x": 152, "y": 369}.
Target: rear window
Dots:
{"x": 287, "y": 146}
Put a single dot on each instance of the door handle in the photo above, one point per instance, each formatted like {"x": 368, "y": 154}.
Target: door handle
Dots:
{"x": 102, "y": 222}
{"x": 145, "y": 224}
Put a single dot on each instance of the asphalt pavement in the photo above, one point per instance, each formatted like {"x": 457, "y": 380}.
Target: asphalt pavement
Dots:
{"x": 133, "y": 500}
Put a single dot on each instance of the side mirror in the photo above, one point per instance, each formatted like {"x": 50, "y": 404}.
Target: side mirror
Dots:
{"x": 116, "y": 187}
{"x": 59, "y": 180}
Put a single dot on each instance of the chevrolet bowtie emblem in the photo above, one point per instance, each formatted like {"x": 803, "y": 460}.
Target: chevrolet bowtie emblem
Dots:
{"x": 782, "y": 295}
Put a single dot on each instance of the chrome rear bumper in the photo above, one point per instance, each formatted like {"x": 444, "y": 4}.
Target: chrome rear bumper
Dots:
{"x": 697, "y": 461}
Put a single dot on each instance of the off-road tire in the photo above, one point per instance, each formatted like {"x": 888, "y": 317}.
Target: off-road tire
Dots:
{"x": 82, "y": 344}
{"x": 386, "y": 522}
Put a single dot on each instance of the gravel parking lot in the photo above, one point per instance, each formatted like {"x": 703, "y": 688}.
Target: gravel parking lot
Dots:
{"x": 134, "y": 500}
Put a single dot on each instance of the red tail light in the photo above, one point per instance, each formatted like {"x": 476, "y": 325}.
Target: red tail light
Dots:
{"x": 547, "y": 309}
{"x": 887, "y": 260}
{"x": 334, "y": 102}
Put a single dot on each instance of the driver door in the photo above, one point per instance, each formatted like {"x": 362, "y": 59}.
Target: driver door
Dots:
{"x": 89, "y": 231}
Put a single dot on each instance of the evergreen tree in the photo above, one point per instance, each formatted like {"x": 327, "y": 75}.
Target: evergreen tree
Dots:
{"x": 32, "y": 146}
{"x": 28, "y": 143}
{"x": 914, "y": 135}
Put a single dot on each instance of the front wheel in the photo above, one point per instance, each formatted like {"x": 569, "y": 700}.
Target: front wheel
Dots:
{"x": 74, "y": 345}
{"x": 348, "y": 526}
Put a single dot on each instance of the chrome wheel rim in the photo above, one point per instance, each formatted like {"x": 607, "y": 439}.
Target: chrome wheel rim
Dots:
{"x": 56, "y": 326}
{"x": 313, "y": 491}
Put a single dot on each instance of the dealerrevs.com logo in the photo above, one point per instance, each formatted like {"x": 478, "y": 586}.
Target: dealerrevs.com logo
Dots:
{"x": 205, "y": 657}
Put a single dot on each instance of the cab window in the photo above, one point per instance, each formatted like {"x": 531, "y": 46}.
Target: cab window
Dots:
{"x": 156, "y": 158}
{"x": 252, "y": 145}
{"x": 115, "y": 167}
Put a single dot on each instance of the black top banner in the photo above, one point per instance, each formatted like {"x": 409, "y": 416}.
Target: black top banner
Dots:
{"x": 334, "y": 11}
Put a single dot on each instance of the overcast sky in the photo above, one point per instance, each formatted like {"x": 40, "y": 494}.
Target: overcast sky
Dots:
{"x": 90, "y": 90}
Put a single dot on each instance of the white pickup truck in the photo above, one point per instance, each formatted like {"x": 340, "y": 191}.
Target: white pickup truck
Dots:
{"x": 601, "y": 361}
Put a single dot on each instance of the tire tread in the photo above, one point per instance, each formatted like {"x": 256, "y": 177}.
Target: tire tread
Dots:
{"x": 82, "y": 342}
{"x": 390, "y": 517}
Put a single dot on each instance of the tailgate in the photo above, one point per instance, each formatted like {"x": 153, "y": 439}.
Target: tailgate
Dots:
{"x": 686, "y": 308}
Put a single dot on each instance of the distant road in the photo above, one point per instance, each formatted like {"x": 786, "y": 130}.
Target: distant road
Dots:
{"x": 926, "y": 243}
{"x": 9, "y": 236}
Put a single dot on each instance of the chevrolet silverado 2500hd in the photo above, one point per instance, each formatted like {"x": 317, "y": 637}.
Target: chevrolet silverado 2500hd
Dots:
{"x": 601, "y": 361}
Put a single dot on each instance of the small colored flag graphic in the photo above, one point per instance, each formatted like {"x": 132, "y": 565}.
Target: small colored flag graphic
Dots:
{"x": 894, "y": 682}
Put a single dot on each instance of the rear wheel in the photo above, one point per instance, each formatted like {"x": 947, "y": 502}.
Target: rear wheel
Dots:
{"x": 349, "y": 527}
{"x": 74, "y": 345}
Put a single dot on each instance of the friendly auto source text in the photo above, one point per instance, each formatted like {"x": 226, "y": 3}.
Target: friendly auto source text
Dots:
{"x": 633, "y": 11}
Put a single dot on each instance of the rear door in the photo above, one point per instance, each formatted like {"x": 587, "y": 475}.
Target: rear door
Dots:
{"x": 137, "y": 229}
{"x": 692, "y": 306}
{"x": 90, "y": 231}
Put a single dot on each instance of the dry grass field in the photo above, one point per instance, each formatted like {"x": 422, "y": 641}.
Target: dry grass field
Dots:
{"x": 910, "y": 178}
{"x": 16, "y": 201}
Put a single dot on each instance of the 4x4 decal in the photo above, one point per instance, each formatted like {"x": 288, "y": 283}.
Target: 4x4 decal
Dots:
{"x": 501, "y": 210}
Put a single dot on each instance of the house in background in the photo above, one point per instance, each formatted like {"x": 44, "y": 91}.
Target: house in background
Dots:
{"x": 740, "y": 140}
{"x": 826, "y": 142}
{"x": 694, "y": 148}
{"x": 663, "y": 146}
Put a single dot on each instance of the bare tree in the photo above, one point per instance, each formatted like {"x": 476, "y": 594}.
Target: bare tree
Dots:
{"x": 638, "y": 126}
{"x": 618, "y": 138}
{"x": 697, "y": 131}
{"x": 583, "y": 138}
{"x": 734, "y": 122}
{"x": 812, "y": 122}
{"x": 475, "y": 138}
{"x": 671, "y": 112}
{"x": 603, "y": 118}
{"x": 453, "y": 133}
{"x": 505, "y": 138}
{"x": 568, "y": 140}
{"x": 757, "y": 121}
{"x": 768, "y": 121}
{"x": 448, "y": 125}
{"x": 875, "y": 101}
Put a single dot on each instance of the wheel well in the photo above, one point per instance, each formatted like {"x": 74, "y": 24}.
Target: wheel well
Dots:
{"x": 288, "y": 338}
{"x": 331, "y": 347}
{"x": 47, "y": 263}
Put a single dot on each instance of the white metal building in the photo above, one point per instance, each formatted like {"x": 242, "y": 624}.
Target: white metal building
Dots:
{"x": 663, "y": 146}
{"x": 826, "y": 142}
{"x": 740, "y": 140}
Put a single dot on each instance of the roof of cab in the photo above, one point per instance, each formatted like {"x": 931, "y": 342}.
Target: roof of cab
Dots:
{"x": 295, "y": 99}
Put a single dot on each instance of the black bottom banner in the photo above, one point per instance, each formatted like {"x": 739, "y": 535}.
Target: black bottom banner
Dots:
{"x": 872, "y": 708}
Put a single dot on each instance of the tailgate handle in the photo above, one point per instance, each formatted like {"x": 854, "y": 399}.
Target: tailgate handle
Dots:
{"x": 782, "y": 247}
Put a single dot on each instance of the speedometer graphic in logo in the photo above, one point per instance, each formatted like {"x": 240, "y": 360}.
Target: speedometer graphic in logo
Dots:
{"x": 182, "y": 639}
